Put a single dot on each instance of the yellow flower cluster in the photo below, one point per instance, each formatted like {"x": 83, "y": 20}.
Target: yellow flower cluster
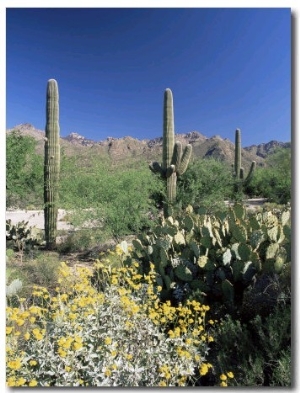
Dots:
{"x": 204, "y": 368}
{"x": 66, "y": 343}
{"x": 224, "y": 378}
{"x": 76, "y": 301}
{"x": 165, "y": 372}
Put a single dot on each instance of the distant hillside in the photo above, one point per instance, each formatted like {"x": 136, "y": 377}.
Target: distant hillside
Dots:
{"x": 129, "y": 149}
{"x": 265, "y": 149}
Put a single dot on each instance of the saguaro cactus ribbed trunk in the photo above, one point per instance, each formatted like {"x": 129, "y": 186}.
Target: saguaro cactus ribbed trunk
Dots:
{"x": 174, "y": 161}
{"x": 51, "y": 163}
{"x": 238, "y": 170}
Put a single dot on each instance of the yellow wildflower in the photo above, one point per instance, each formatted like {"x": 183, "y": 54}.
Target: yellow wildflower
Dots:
{"x": 20, "y": 322}
{"x": 61, "y": 352}
{"x": 162, "y": 383}
{"x": 203, "y": 369}
{"x": 8, "y": 329}
{"x": 27, "y": 336}
{"x": 11, "y": 381}
{"x": 32, "y": 383}
{"x": 108, "y": 340}
{"x": 21, "y": 381}
{"x": 14, "y": 364}
{"x": 77, "y": 346}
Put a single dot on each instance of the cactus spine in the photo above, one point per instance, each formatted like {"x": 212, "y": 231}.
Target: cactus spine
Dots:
{"x": 174, "y": 161}
{"x": 238, "y": 169}
{"x": 51, "y": 163}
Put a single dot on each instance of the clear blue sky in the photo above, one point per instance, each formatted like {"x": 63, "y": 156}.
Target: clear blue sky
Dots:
{"x": 228, "y": 68}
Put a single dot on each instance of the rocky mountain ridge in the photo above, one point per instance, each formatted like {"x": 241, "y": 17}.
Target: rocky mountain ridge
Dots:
{"x": 128, "y": 148}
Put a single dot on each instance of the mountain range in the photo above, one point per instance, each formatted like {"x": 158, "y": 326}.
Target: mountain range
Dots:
{"x": 130, "y": 149}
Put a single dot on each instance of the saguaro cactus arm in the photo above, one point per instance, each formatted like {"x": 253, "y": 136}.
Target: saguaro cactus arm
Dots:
{"x": 184, "y": 161}
{"x": 157, "y": 168}
{"x": 251, "y": 172}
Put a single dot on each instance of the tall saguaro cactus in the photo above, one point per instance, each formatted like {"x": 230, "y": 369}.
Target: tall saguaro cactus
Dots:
{"x": 51, "y": 163}
{"x": 174, "y": 161}
{"x": 238, "y": 169}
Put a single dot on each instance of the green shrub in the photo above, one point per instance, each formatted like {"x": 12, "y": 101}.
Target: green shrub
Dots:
{"x": 82, "y": 240}
{"x": 24, "y": 172}
{"x": 275, "y": 180}
{"x": 205, "y": 183}
{"x": 259, "y": 352}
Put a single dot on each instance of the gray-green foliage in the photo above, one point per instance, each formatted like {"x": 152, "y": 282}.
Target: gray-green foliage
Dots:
{"x": 218, "y": 255}
{"x": 14, "y": 287}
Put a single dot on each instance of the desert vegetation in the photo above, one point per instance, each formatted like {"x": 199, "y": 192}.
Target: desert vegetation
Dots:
{"x": 160, "y": 283}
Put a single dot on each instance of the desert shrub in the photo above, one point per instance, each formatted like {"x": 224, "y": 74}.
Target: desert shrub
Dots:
{"x": 82, "y": 239}
{"x": 275, "y": 180}
{"x": 42, "y": 270}
{"x": 259, "y": 352}
{"x": 116, "y": 203}
{"x": 24, "y": 172}
{"x": 205, "y": 183}
{"x": 122, "y": 336}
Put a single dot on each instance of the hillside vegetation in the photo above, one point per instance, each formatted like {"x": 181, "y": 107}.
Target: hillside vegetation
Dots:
{"x": 89, "y": 178}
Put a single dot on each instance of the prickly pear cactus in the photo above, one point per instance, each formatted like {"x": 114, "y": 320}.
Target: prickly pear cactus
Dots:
{"x": 51, "y": 164}
{"x": 175, "y": 161}
{"x": 219, "y": 255}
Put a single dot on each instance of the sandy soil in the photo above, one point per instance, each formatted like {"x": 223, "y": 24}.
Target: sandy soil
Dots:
{"x": 35, "y": 218}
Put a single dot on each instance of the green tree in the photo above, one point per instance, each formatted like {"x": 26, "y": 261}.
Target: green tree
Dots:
{"x": 206, "y": 183}
{"x": 275, "y": 180}
{"x": 24, "y": 172}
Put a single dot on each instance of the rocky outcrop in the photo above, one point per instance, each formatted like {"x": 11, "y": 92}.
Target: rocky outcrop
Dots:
{"x": 265, "y": 149}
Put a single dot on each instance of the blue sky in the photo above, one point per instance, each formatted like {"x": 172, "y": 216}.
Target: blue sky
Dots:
{"x": 227, "y": 68}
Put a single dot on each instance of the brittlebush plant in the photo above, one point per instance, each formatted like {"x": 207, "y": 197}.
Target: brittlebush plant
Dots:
{"x": 120, "y": 336}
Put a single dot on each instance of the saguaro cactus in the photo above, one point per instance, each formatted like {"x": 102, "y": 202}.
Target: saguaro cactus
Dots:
{"x": 174, "y": 161}
{"x": 51, "y": 163}
{"x": 238, "y": 169}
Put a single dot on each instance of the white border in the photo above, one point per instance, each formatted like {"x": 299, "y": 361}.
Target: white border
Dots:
{"x": 153, "y": 4}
